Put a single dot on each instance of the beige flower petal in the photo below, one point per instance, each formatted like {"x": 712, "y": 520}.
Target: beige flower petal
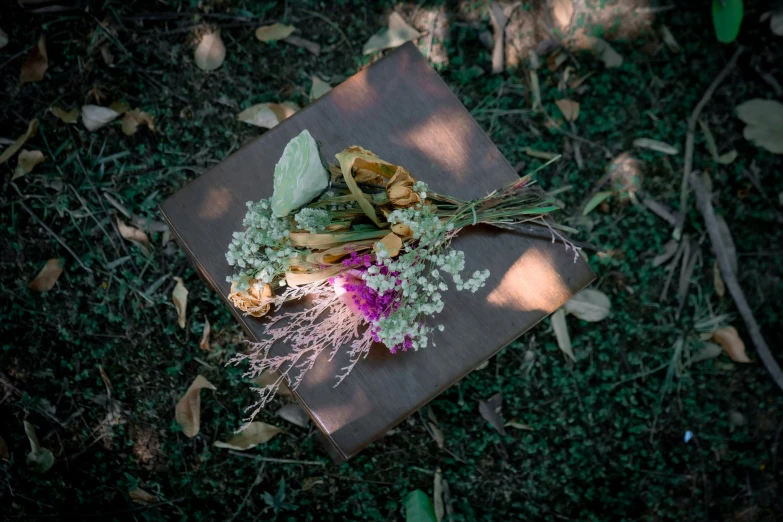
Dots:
{"x": 391, "y": 243}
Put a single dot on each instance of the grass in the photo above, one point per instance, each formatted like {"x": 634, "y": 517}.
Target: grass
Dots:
{"x": 607, "y": 439}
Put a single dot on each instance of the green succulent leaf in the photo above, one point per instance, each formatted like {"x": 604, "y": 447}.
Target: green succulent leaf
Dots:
{"x": 727, "y": 17}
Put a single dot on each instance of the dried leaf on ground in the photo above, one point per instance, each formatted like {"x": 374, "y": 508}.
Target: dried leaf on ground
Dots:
{"x": 34, "y": 68}
{"x": 707, "y": 351}
{"x": 717, "y": 280}
{"x": 204, "y": 343}
{"x": 437, "y": 434}
{"x": 589, "y": 305}
{"x": 71, "y": 116}
{"x": 188, "y": 411}
{"x": 140, "y": 496}
{"x": 669, "y": 40}
{"x": 47, "y": 277}
{"x": 563, "y": 11}
{"x": 32, "y": 128}
{"x": 764, "y": 123}
{"x": 569, "y": 109}
{"x": 669, "y": 249}
{"x": 295, "y": 414}
{"x": 437, "y": 496}
{"x": 776, "y": 22}
{"x": 519, "y": 426}
{"x": 267, "y": 115}
{"x": 134, "y": 118}
{"x": 498, "y": 19}
{"x": 94, "y": 116}
{"x": 732, "y": 344}
{"x": 727, "y": 158}
{"x": 560, "y": 328}
{"x": 599, "y": 48}
{"x": 597, "y": 199}
{"x": 658, "y": 146}
{"x": 254, "y": 434}
{"x": 4, "y": 454}
{"x": 311, "y": 482}
{"x": 39, "y": 459}
{"x": 26, "y": 161}
{"x": 319, "y": 88}
{"x": 397, "y": 33}
{"x": 121, "y": 106}
{"x": 307, "y": 45}
{"x": 274, "y": 32}
{"x": 132, "y": 234}
{"x": 728, "y": 242}
{"x": 210, "y": 53}
{"x": 180, "y": 297}
{"x": 491, "y": 411}
{"x": 535, "y": 88}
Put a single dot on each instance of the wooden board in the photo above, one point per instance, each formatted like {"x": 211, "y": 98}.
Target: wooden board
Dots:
{"x": 400, "y": 109}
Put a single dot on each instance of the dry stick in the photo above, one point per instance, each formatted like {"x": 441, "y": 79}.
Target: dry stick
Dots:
{"x": 691, "y": 137}
{"x": 705, "y": 207}
{"x": 55, "y": 236}
{"x": 278, "y": 461}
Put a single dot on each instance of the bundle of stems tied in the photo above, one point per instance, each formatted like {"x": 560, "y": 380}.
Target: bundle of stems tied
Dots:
{"x": 370, "y": 244}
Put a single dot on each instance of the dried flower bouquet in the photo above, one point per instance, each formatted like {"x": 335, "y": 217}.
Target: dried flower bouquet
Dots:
{"x": 369, "y": 243}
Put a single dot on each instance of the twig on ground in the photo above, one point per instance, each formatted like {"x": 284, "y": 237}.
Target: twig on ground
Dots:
{"x": 276, "y": 460}
{"x": 705, "y": 207}
{"x": 55, "y": 236}
{"x": 577, "y": 148}
{"x": 691, "y": 137}
{"x": 660, "y": 210}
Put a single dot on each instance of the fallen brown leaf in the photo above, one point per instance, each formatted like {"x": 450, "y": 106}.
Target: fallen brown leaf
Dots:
{"x": 132, "y": 234}
{"x": 274, "y": 32}
{"x": 188, "y": 411}
{"x": 437, "y": 496}
{"x": 120, "y": 106}
{"x": 491, "y": 411}
{"x": 563, "y": 10}
{"x": 180, "y": 297}
{"x": 32, "y": 128}
{"x": 134, "y": 118}
{"x": 731, "y": 343}
{"x": 267, "y": 115}
{"x": 295, "y": 414}
{"x": 140, "y": 496}
{"x": 204, "y": 344}
{"x": 319, "y": 88}
{"x": 254, "y": 434}
{"x": 26, "y": 161}
{"x": 569, "y": 109}
{"x": 34, "y": 68}
{"x": 210, "y": 53}
{"x": 95, "y": 117}
{"x": 398, "y": 33}
{"x": 71, "y": 116}
{"x": 437, "y": 434}
{"x": 47, "y": 277}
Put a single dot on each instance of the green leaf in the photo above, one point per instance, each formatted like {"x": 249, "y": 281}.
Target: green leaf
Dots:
{"x": 727, "y": 18}
{"x": 595, "y": 201}
{"x": 300, "y": 177}
{"x": 418, "y": 507}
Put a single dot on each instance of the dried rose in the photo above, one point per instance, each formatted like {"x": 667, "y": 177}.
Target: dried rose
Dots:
{"x": 391, "y": 243}
{"x": 254, "y": 302}
{"x": 400, "y": 190}
{"x": 402, "y": 230}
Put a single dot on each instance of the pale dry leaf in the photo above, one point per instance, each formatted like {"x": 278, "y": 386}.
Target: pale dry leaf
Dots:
{"x": 669, "y": 40}
{"x": 728, "y": 338}
{"x": 482, "y": 365}
{"x": 728, "y": 242}
{"x": 180, "y": 297}
{"x": 71, "y": 116}
{"x": 254, "y": 434}
{"x": 669, "y": 249}
{"x": 658, "y": 146}
{"x": 95, "y": 116}
{"x": 437, "y": 496}
{"x": 560, "y": 328}
{"x": 764, "y": 123}
{"x": 307, "y": 45}
{"x": 270, "y": 377}
{"x": 519, "y": 426}
{"x": 134, "y": 118}
{"x": 210, "y": 53}
{"x": 431, "y": 415}
{"x": 776, "y": 22}
{"x": 267, "y": 115}
{"x": 535, "y": 88}
{"x": 39, "y": 459}
{"x": 709, "y": 139}
{"x": 397, "y": 33}
{"x": 599, "y": 48}
{"x": 3, "y": 39}
{"x": 498, "y": 19}
{"x": 541, "y": 154}
{"x": 204, "y": 343}
{"x": 34, "y": 68}
{"x": 188, "y": 411}
{"x": 569, "y": 109}
{"x": 274, "y": 32}
{"x": 727, "y": 158}
{"x": 120, "y": 106}
{"x": 491, "y": 411}
{"x": 717, "y": 280}
{"x": 319, "y": 88}
{"x": 4, "y": 454}
{"x": 108, "y": 57}
{"x": 47, "y": 277}
{"x": 12, "y": 149}
{"x": 132, "y": 234}
{"x": 589, "y": 305}
{"x": 563, "y": 11}
{"x": 26, "y": 161}
{"x": 294, "y": 414}
{"x": 310, "y": 482}
{"x": 707, "y": 351}
{"x": 140, "y": 496}
{"x": 437, "y": 434}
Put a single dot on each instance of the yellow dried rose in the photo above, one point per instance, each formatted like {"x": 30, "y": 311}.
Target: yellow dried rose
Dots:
{"x": 400, "y": 190}
{"x": 254, "y": 302}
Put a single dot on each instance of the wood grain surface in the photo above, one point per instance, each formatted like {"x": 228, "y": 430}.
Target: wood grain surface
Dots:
{"x": 400, "y": 109}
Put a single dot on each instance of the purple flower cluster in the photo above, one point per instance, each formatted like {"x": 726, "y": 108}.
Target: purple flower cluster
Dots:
{"x": 367, "y": 302}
